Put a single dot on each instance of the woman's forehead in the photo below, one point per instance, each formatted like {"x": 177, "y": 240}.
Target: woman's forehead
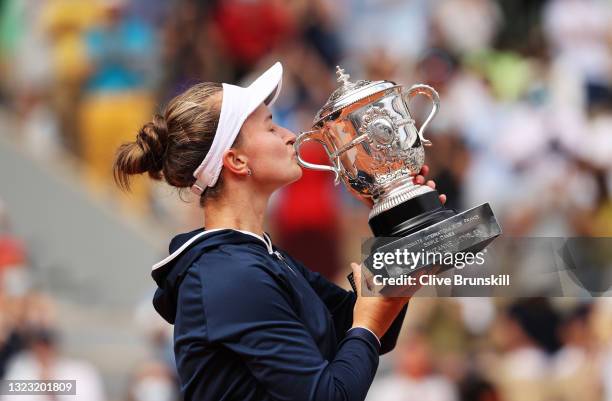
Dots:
{"x": 261, "y": 113}
{"x": 257, "y": 118}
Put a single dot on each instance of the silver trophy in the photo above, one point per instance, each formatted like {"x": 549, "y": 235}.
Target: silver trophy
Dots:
{"x": 375, "y": 149}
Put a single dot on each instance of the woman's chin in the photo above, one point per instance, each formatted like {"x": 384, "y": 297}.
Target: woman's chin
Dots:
{"x": 298, "y": 173}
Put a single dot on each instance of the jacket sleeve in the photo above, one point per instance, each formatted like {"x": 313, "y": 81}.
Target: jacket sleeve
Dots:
{"x": 251, "y": 314}
{"x": 341, "y": 302}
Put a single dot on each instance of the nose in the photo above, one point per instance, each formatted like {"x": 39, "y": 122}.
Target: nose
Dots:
{"x": 289, "y": 136}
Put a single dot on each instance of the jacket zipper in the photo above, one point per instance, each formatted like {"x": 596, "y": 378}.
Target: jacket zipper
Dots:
{"x": 282, "y": 259}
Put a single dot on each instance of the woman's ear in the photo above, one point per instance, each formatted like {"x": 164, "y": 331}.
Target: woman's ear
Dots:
{"x": 235, "y": 161}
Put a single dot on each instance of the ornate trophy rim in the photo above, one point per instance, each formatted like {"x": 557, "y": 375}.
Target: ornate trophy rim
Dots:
{"x": 349, "y": 93}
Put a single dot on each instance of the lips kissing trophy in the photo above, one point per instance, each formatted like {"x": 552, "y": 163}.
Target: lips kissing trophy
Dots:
{"x": 375, "y": 149}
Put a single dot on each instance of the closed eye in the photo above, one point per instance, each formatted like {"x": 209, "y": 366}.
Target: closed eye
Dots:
{"x": 271, "y": 123}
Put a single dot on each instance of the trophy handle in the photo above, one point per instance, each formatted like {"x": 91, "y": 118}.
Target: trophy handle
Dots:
{"x": 316, "y": 136}
{"x": 431, "y": 94}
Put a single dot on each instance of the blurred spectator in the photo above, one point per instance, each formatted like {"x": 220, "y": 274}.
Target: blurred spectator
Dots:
{"x": 480, "y": 20}
{"x": 157, "y": 331}
{"x": 475, "y": 388}
{"x": 448, "y": 166}
{"x": 186, "y": 60}
{"x": 153, "y": 381}
{"x": 602, "y": 324}
{"x": 575, "y": 367}
{"x": 118, "y": 98}
{"x": 414, "y": 377}
{"x": 12, "y": 257}
{"x": 521, "y": 30}
{"x": 11, "y": 338}
{"x": 319, "y": 20}
{"x": 25, "y": 55}
{"x": 64, "y": 23}
{"x": 21, "y": 313}
{"x": 31, "y": 351}
{"x": 43, "y": 361}
{"x": 248, "y": 30}
{"x": 400, "y": 28}
{"x": 579, "y": 32}
{"x": 527, "y": 334}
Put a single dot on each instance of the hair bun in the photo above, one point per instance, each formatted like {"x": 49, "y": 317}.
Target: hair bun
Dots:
{"x": 173, "y": 144}
{"x": 153, "y": 140}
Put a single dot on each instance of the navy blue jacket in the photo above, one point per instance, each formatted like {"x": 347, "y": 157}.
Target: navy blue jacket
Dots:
{"x": 251, "y": 323}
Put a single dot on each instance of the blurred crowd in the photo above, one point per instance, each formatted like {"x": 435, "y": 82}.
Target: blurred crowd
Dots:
{"x": 500, "y": 349}
{"x": 525, "y": 124}
{"x": 31, "y": 338}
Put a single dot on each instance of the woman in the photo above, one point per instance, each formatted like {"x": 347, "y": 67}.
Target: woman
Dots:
{"x": 250, "y": 322}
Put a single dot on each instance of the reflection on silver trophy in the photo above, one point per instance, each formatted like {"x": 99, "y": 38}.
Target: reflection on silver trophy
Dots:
{"x": 372, "y": 141}
{"x": 375, "y": 149}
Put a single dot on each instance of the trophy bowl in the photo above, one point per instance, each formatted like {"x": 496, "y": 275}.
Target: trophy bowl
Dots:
{"x": 375, "y": 149}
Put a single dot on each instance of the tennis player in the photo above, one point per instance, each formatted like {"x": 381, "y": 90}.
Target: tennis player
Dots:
{"x": 250, "y": 322}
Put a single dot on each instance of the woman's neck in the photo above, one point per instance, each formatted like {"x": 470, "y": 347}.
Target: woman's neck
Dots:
{"x": 240, "y": 211}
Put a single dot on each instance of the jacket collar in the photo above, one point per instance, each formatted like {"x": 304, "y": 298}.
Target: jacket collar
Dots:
{"x": 203, "y": 233}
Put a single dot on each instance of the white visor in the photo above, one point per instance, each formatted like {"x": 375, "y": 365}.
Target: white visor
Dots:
{"x": 237, "y": 104}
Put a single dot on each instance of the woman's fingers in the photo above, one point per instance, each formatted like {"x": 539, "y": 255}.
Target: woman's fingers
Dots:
{"x": 419, "y": 179}
{"x": 424, "y": 170}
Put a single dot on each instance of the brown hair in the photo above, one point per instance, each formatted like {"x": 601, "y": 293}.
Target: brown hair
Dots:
{"x": 173, "y": 145}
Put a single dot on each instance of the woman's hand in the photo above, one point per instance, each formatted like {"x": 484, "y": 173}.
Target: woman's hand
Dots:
{"x": 418, "y": 179}
{"x": 375, "y": 313}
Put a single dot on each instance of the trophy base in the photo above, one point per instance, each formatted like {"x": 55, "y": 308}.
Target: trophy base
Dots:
{"x": 410, "y": 216}
{"x": 434, "y": 229}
